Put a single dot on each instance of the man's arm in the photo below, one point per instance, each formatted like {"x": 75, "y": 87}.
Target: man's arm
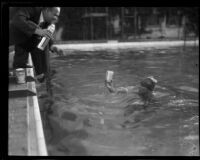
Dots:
{"x": 55, "y": 49}
{"x": 22, "y": 20}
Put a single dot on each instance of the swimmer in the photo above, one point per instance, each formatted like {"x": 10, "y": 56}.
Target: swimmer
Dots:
{"x": 144, "y": 90}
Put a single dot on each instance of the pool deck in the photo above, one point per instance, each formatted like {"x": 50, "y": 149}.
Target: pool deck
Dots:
{"x": 25, "y": 131}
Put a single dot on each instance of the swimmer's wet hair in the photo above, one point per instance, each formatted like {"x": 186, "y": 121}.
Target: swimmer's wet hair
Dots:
{"x": 149, "y": 83}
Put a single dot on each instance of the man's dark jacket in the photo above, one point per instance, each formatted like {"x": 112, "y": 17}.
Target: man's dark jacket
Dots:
{"x": 23, "y": 23}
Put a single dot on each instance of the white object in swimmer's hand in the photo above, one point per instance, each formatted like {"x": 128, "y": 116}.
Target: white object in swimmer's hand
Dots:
{"x": 153, "y": 79}
{"x": 109, "y": 76}
{"x": 43, "y": 43}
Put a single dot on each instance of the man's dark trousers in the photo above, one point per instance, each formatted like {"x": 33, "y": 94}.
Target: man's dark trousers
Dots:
{"x": 38, "y": 56}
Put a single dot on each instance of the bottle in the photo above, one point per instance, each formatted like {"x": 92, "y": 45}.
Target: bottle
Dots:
{"x": 43, "y": 43}
{"x": 109, "y": 76}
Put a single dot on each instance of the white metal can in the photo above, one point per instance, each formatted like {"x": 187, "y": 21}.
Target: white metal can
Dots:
{"x": 109, "y": 76}
{"x": 20, "y": 75}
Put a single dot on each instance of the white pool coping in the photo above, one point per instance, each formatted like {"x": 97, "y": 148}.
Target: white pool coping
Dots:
{"x": 35, "y": 127}
{"x": 125, "y": 45}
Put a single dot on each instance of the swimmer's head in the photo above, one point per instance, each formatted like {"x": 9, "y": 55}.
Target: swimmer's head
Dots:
{"x": 146, "y": 89}
{"x": 149, "y": 83}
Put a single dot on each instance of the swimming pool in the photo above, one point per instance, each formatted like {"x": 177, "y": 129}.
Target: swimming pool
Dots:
{"x": 87, "y": 120}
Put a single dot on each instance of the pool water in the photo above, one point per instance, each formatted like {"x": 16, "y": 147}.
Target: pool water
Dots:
{"x": 88, "y": 120}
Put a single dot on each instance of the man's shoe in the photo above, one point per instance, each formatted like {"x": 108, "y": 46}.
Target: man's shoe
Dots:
{"x": 40, "y": 78}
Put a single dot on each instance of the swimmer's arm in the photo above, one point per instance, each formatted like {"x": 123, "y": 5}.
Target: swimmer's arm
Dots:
{"x": 122, "y": 90}
{"x": 129, "y": 89}
{"x": 112, "y": 89}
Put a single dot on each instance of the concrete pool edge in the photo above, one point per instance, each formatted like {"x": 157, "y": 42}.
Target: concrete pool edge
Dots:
{"x": 33, "y": 108}
{"x": 125, "y": 45}
{"x": 26, "y": 135}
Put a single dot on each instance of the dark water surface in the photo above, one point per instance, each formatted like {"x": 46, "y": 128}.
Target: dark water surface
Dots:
{"x": 87, "y": 120}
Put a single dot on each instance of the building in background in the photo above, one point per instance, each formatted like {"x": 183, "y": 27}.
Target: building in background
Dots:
{"x": 127, "y": 23}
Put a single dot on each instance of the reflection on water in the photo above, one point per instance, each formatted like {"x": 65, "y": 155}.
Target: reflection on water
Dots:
{"x": 87, "y": 120}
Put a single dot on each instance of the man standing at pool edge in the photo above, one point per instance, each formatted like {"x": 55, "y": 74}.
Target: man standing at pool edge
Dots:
{"x": 27, "y": 26}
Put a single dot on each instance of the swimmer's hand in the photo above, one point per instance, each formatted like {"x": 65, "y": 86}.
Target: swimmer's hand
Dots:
{"x": 109, "y": 86}
{"x": 111, "y": 89}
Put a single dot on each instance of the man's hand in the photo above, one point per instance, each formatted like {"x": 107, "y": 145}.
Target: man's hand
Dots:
{"x": 44, "y": 33}
{"x": 56, "y": 50}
